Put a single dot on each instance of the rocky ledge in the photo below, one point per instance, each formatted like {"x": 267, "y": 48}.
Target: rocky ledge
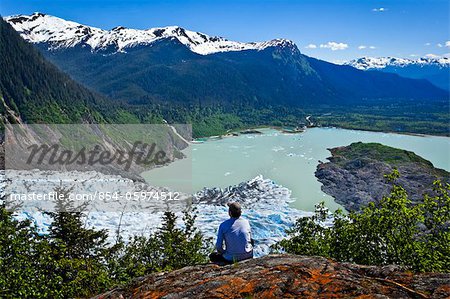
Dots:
{"x": 287, "y": 276}
{"x": 354, "y": 175}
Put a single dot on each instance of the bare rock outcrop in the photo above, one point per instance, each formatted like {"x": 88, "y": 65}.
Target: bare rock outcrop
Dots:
{"x": 286, "y": 276}
{"x": 354, "y": 175}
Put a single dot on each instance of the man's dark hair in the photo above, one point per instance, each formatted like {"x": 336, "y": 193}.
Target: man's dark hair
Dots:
{"x": 234, "y": 209}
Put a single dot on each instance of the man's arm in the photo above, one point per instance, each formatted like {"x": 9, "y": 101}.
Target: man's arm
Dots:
{"x": 219, "y": 243}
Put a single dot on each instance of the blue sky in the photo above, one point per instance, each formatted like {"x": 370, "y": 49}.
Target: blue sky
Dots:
{"x": 334, "y": 30}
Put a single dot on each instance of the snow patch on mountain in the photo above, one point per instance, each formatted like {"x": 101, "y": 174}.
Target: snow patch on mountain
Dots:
{"x": 366, "y": 63}
{"x": 59, "y": 34}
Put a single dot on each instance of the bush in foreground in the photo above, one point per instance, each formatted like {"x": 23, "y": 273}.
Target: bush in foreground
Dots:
{"x": 73, "y": 261}
{"x": 394, "y": 231}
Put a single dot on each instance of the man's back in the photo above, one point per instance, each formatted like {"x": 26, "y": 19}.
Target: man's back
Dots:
{"x": 237, "y": 236}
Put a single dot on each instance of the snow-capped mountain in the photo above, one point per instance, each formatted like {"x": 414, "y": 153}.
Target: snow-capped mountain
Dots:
{"x": 436, "y": 70}
{"x": 58, "y": 33}
{"x": 163, "y": 66}
{"x": 366, "y": 63}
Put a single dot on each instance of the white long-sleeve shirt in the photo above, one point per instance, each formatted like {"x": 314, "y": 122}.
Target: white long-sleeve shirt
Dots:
{"x": 236, "y": 234}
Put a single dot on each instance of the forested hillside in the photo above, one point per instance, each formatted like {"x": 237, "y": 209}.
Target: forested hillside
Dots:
{"x": 167, "y": 71}
{"x": 37, "y": 91}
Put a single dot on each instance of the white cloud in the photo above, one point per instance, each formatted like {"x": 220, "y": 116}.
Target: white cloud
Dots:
{"x": 439, "y": 45}
{"x": 338, "y": 61}
{"x": 447, "y": 44}
{"x": 334, "y": 46}
{"x": 427, "y": 44}
{"x": 413, "y": 55}
{"x": 362, "y": 47}
{"x": 380, "y": 9}
{"x": 446, "y": 55}
{"x": 311, "y": 46}
{"x": 432, "y": 56}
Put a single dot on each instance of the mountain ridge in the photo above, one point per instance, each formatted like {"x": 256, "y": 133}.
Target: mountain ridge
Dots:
{"x": 434, "y": 69}
{"x": 367, "y": 62}
{"x": 78, "y": 49}
{"x": 274, "y": 84}
{"x": 67, "y": 34}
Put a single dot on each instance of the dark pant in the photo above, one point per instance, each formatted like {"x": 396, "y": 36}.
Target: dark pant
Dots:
{"x": 218, "y": 258}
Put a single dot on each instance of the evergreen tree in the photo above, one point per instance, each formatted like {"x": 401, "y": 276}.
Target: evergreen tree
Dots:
{"x": 78, "y": 253}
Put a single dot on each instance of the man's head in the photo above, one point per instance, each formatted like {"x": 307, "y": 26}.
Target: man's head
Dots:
{"x": 234, "y": 209}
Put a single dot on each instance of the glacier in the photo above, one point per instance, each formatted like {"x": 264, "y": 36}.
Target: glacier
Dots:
{"x": 265, "y": 204}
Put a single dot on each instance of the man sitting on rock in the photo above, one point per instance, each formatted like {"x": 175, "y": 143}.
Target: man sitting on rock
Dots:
{"x": 236, "y": 234}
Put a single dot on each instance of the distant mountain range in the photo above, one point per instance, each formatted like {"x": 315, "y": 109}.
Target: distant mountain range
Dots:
{"x": 435, "y": 70}
{"x": 183, "y": 76}
{"x": 172, "y": 64}
{"x": 59, "y": 33}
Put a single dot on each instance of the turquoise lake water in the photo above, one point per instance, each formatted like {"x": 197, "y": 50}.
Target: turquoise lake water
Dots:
{"x": 287, "y": 159}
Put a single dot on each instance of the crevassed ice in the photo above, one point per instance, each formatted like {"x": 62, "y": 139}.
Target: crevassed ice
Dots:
{"x": 265, "y": 204}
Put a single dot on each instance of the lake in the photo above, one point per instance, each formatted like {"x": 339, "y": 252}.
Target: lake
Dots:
{"x": 287, "y": 159}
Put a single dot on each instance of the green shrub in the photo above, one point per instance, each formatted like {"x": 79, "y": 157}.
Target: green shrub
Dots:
{"x": 169, "y": 248}
{"x": 394, "y": 231}
{"x": 73, "y": 261}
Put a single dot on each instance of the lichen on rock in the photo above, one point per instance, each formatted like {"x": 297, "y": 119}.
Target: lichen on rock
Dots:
{"x": 286, "y": 276}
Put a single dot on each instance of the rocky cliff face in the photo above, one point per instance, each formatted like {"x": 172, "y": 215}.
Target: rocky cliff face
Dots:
{"x": 354, "y": 175}
{"x": 287, "y": 276}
